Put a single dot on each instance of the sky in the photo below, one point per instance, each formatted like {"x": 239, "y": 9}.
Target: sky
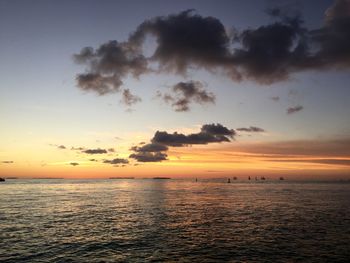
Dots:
{"x": 98, "y": 89}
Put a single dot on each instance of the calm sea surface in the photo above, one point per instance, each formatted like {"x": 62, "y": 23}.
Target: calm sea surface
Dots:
{"x": 173, "y": 220}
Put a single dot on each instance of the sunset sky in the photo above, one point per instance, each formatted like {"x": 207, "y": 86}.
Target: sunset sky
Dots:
{"x": 95, "y": 89}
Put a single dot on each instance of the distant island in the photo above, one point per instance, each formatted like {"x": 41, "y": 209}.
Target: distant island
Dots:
{"x": 122, "y": 177}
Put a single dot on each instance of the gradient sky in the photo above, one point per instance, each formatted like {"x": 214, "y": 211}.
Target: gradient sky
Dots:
{"x": 50, "y": 121}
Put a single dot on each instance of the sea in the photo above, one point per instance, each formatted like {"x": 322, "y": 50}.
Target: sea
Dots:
{"x": 148, "y": 220}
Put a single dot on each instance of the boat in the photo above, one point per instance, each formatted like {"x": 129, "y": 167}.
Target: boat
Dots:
{"x": 2, "y": 179}
{"x": 161, "y": 178}
{"x": 281, "y": 178}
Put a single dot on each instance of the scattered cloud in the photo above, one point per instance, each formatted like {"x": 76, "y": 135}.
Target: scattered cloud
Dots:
{"x": 77, "y": 148}
{"x": 73, "y": 164}
{"x": 95, "y": 151}
{"x": 61, "y": 147}
{"x": 149, "y": 156}
{"x": 7, "y": 162}
{"x": 275, "y": 98}
{"x": 186, "y": 93}
{"x": 129, "y": 99}
{"x": 116, "y": 161}
{"x": 295, "y": 109}
{"x": 251, "y": 129}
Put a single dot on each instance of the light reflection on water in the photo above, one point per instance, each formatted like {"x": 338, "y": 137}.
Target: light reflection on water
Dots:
{"x": 173, "y": 220}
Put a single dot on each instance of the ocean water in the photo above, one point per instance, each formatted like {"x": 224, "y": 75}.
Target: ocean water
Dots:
{"x": 173, "y": 221}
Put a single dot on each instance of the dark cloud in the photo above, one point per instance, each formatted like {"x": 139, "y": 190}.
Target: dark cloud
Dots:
{"x": 77, "y": 148}
{"x": 333, "y": 39}
{"x": 95, "y": 151}
{"x": 116, "y": 161}
{"x": 151, "y": 147}
{"x": 61, "y": 147}
{"x": 295, "y": 109}
{"x": 129, "y": 99}
{"x": 275, "y": 98}
{"x": 186, "y": 93}
{"x": 151, "y": 152}
{"x": 73, "y": 164}
{"x": 93, "y": 160}
{"x": 217, "y": 129}
{"x": 108, "y": 65}
{"x": 149, "y": 156}
{"x": 251, "y": 129}
{"x": 7, "y": 162}
{"x": 186, "y": 40}
{"x": 111, "y": 150}
{"x": 210, "y": 133}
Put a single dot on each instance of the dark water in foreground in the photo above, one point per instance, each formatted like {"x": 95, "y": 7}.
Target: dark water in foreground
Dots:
{"x": 173, "y": 220}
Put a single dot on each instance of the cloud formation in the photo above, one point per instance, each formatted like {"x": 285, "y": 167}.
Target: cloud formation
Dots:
{"x": 108, "y": 65}
{"x": 7, "y": 162}
{"x": 149, "y": 156}
{"x": 186, "y": 40}
{"x": 295, "y": 109}
{"x": 156, "y": 150}
{"x": 151, "y": 152}
{"x": 186, "y": 93}
{"x": 129, "y": 99}
{"x": 116, "y": 161}
{"x": 210, "y": 133}
{"x": 251, "y": 129}
{"x": 74, "y": 164}
{"x": 95, "y": 151}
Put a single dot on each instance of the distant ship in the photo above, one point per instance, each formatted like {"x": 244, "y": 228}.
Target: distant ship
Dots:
{"x": 262, "y": 178}
{"x": 228, "y": 181}
{"x": 2, "y": 179}
{"x": 281, "y": 178}
{"x": 235, "y": 178}
{"x": 161, "y": 178}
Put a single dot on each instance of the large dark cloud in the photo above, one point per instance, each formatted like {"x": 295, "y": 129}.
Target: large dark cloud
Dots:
{"x": 95, "y": 151}
{"x": 185, "y": 93}
{"x": 156, "y": 150}
{"x": 186, "y": 40}
{"x": 7, "y": 162}
{"x": 209, "y": 133}
{"x": 74, "y": 164}
{"x": 333, "y": 38}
